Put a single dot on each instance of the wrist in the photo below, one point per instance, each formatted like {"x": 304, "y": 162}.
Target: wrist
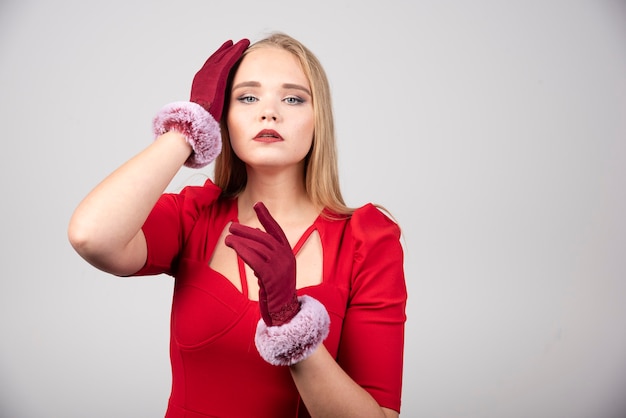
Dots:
{"x": 292, "y": 342}
{"x": 287, "y": 311}
{"x": 197, "y": 126}
{"x": 175, "y": 144}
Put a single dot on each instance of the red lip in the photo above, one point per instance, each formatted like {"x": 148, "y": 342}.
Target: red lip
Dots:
{"x": 268, "y": 135}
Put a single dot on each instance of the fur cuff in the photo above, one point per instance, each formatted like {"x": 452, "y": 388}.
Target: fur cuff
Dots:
{"x": 198, "y": 126}
{"x": 290, "y": 343}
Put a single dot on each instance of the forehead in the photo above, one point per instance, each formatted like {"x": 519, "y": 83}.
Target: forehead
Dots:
{"x": 271, "y": 63}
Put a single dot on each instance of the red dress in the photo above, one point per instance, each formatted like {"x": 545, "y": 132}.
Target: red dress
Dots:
{"x": 216, "y": 369}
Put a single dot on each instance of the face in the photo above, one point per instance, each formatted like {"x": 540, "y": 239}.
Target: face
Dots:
{"x": 270, "y": 116}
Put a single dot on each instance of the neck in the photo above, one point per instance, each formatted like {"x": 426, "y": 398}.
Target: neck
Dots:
{"x": 283, "y": 194}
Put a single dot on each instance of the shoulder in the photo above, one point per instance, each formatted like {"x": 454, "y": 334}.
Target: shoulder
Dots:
{"x": 378, "y": 255}
{"x": 373, "y": 233}
{"x": 370, "y": 219}
{"x": 205, "y": 194}
{"x": 193, "y": 198}
{"x": 187, "y": 204}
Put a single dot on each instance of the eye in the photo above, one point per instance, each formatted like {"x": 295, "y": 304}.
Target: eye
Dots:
{"x": 293, "y": 100}
{"x": 247, "y": 99}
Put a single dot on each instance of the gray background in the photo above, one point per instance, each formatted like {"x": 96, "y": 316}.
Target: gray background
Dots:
{"x": 494, "y": 131}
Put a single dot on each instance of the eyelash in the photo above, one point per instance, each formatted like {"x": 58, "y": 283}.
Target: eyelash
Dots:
{"x": 290, "y": 100}
{"x": 246, "y": 99}
{"x": 298, "y": 100}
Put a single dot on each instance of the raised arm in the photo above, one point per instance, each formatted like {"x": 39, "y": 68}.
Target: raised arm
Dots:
{"x": 105, "y": 228}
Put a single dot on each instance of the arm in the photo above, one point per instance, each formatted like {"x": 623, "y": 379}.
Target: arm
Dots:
{"x": 105, "y": 228}
{"x": 369, "y": 362}
{"x": 328, "y": 391}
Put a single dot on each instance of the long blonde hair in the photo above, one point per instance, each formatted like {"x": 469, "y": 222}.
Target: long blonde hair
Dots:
{"x": 321, "y": 172}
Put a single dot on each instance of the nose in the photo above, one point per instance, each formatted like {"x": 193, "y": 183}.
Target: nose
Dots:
{"x": 269, "y": 113}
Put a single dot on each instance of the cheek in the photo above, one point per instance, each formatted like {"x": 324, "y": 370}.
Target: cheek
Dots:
{"x": 231, "y": 121}
{"x": 234, "y": 133}
{"x": 308, "y": 131}
{"x": 234, "y": 125}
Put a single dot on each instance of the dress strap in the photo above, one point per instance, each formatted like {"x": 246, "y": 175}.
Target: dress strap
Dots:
{"x": 242, "y": 276}
{"x": 303, "y": 238}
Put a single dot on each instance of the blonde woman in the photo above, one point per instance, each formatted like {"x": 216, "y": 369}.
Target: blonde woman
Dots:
{"x": 287, "y": 303}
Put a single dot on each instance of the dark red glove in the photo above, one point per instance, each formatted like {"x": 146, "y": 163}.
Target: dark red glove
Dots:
{"x": 271, "y": 257}
{"x": 291, "y": 327}
{"x": 199, "y": 119}
{"x": 208, "y": 88}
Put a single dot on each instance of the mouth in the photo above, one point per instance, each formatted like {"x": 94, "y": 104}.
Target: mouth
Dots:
{"x": 268, "y": 135}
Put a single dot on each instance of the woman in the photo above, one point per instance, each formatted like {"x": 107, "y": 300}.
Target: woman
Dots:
{"x": 320, "y": 332}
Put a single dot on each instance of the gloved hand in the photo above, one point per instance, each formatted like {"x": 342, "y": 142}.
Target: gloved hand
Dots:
{"x": 271, "y": 257}
{"x": 291, "y": 327}
{"x": 208, "y": 88}
{"x": 198, "y": 120}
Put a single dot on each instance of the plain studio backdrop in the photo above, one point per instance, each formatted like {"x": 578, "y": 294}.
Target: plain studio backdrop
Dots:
{"x": 494, "y": 131}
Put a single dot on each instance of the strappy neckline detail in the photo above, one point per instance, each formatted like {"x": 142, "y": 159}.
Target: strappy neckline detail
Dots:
{"x": 243, "y": 277}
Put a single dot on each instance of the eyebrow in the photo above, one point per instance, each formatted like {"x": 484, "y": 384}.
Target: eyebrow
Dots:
{"x": 285, "y": 86}
{"x": 297, "y": 87}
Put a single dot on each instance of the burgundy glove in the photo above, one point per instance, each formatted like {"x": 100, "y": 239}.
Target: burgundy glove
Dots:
{"x": 198, "y": 119}
{"x": 208, "y": 88}
{"x": 291, "y": 327}
{"x": 271, "y": 257}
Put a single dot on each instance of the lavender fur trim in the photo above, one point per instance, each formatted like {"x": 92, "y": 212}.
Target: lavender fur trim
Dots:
{"x": 198, "y": 126}
{"x": 290, "y": 343}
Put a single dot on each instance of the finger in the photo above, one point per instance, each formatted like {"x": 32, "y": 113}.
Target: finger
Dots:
{"x": 226, "y": 61}
{"x": 221, "y": 51}
{"x": 236, "y": 50}
{"x": 254, "y": 254}
{"x": 253, "y": 234}
{"x": 218, "y": 54}
{"x": 270, "y": 224}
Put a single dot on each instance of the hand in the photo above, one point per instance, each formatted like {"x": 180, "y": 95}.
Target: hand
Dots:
{"x": 291, "y": 327}
{"x": 271, "y": 257}
{"x": 208, "y": 88}
{"x": 199, "y": 119}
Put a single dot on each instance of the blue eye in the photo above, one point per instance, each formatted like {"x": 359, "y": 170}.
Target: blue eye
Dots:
{"x": 293, "y": 100}
{"x": 247, "y": 99}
